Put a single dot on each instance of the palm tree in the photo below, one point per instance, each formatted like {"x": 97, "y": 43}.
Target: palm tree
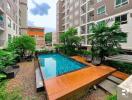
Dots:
{"x": 105, "y": 40}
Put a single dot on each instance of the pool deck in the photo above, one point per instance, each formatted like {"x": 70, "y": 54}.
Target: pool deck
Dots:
{"x": 63, "y": 86}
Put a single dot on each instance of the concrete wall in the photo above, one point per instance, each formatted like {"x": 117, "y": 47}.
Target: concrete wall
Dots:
{"x": 124, "y": 90}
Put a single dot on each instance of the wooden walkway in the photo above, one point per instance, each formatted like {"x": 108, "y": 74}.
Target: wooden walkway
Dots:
{"x": 64, "y": 86}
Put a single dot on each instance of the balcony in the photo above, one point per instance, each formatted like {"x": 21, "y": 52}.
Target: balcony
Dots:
{"x": 90, "y": 5}
{"x": 83, "y": 29}
{"x": 83, "y": 9}
{"x": 83, "y": 1}
{"x": 83, "y": 19}
{"x": 90, "y": 16}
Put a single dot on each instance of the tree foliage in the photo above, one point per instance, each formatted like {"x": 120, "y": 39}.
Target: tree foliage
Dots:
{"x": 105, "y": 40}
{"x": 6, "y": 58}
{"x": 22, "y": 44}
{"x": 70, "y": 41}
{"x": 48, "y": 37}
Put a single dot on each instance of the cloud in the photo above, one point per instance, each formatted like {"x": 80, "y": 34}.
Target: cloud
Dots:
{"x": 40, "y": 9}
{"x": 30, "y": 23}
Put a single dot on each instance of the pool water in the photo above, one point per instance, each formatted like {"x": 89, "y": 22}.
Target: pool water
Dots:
{"x": 53, "y": 65}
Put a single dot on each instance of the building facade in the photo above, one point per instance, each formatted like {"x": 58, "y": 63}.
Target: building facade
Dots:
{"x": 9, "y": 20}
{"x": 95, "y": 11}
{"x": 23, "y": 16}
{"x": 39, "y": 35}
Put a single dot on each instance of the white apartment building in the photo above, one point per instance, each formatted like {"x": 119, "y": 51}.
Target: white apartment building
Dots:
{"x": 9, "y": 20}
{"x": 94, "y": 11}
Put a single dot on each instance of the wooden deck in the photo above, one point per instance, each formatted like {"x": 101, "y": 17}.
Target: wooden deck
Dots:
{"x": 64, "y": 86}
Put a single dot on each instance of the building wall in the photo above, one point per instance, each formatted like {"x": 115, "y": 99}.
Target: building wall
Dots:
{"x": 10, "y": 9}
{"x": 23, "y": 16}
{"x": 38, "y": 34}
{"x": 111, "y": 13}
{"x": 11, "y": 23}
{"x": 88, "y": 16}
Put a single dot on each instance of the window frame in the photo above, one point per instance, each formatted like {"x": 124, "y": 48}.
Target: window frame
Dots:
{"x": 100, "y": 8}
{"x": 99, "y": 1}
{"x": 120, "y": 17}
{"x": 122, "y": 4}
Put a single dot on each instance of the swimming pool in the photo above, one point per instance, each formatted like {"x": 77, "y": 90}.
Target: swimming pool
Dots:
{"x": 53, "y": 65}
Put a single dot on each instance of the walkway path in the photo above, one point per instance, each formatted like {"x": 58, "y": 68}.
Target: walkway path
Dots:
{"x": 25, "y": 81}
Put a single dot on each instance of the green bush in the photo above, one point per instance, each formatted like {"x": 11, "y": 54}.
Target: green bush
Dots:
{"x": 6, "y": 95}
{"x": 85, "y": 52}
{"x": 121, "y": 66}
{"x": 112, "y": 97}
{"x": 22, "y": 45}
{"x": 2, "y": 76}
{"x": 6, "y": 59}
{"x": 45, "y": 51}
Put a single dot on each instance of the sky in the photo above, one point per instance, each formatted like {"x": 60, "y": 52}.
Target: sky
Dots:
{"x": 42, "y": 13}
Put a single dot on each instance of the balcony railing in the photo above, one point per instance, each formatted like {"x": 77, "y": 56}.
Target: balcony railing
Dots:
{"x": 90, "y": 19}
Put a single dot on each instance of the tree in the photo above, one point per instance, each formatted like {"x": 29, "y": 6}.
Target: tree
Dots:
{"x": 48, "y": 37}
{"x": 22, "y": 44}
{"x": 70, "y": 41}
{"x": 105, "y": 40}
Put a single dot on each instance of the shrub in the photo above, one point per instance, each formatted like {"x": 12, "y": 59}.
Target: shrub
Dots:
{"x": 121, "y": 66}
{"x": 22, "y": 45}
{"x": 112, "y": 97}
{"x": 2, "y": 76}
{"x": 6, "y": 58}
{"x": 5, "y": 95}
{"x": 85, "y": 52}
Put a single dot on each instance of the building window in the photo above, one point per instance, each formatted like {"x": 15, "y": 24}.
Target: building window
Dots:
{"x": 99, "y": 1}
{"x": 9, "y": 22}
{"x": 101, "y": 10}
{"x": 119, "y": 3}
{"x": 122, "y": 19}
{"x": 8, "y": 7}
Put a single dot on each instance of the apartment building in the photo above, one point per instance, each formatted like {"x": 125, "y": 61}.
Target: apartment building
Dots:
{"x": 9, "y": 20}
{"x": 39, "y": 35}
{"x": 96, "y": 11}
{"x": 68, "y": 15}
{"x": 23, "y": 16}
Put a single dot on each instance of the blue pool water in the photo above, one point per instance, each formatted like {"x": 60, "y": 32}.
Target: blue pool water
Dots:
{"x": 53, "y": 65}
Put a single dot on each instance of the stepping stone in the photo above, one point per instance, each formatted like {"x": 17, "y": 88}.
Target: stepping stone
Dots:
{"x": 39, "y": 81}
{"x": 114, "y": 79}
{"x": 109, "y": 86}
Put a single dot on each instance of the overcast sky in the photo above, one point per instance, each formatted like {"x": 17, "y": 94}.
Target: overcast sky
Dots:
{"x": 42, "y": 13}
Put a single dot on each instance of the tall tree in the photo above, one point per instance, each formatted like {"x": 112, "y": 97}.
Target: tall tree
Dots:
{"x": 70, "y": 40}
{"x": 48, "y": 37}
{"x": 105, "y": 39}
